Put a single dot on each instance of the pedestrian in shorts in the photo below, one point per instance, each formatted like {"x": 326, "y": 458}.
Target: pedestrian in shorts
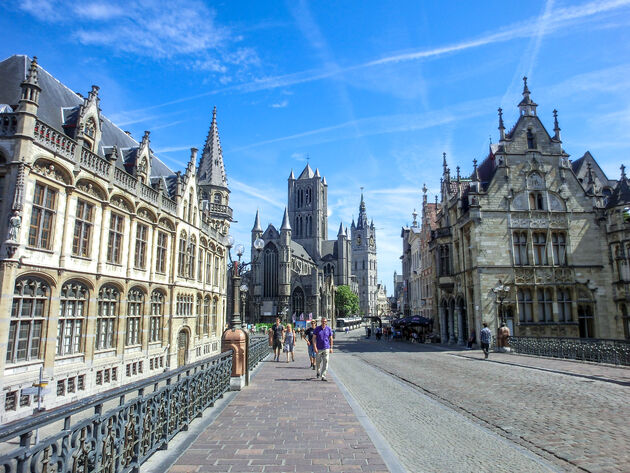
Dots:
{"x": 308, "y": 335}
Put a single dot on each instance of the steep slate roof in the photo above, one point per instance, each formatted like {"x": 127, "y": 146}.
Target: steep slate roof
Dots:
{"x": 299, "y": 251}
{"x": 307, "y": 173}
{"x": 58, "y": 107}
{"x": 329, "y": 247}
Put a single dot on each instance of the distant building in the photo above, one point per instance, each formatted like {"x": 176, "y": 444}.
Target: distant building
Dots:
{"x": 299, "y": 268}
{"x": 113, "y": 265}
{"x": 383, "y": 307}
{"x": 364, "y": 262}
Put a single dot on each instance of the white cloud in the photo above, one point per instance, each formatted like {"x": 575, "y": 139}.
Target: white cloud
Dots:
{"x": 281, "y": 104}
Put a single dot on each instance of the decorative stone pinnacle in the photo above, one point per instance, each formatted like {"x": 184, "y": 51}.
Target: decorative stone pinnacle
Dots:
{"x": 623, "y": 172}
{"x": 525, "y": 88}
{"x": 424, "y": 188}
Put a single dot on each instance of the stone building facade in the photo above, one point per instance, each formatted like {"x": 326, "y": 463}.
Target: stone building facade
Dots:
{"x": 364, "y": 262}
{"x": 113, "y": 266}
{"x": 530, "y": 219}
{"x": 299, "y": 268}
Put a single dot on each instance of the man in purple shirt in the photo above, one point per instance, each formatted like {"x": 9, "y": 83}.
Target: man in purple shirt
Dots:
{"x": 323, "y": 337}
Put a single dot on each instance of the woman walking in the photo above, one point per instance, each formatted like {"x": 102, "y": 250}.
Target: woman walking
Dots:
{"x": 289, "y": 342}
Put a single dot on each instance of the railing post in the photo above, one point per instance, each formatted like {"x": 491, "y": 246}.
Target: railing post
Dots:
{"x": 22, "y": 462}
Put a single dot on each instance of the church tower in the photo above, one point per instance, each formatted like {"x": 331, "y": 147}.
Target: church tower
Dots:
{"x": 364, "y": 265}
{"x": 308, "y": 210}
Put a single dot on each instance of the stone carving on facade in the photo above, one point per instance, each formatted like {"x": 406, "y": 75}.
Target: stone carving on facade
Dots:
{"x": 145, "y": 214}
{"x": 558, "y": 221}
{"x": 555, "y": 203}
{"x": 523, "y": 275}
{"x": 544, "y": 276}
{"x": 15, "y": 222}
{"x": 535, "y": 181}
{"x": 90, "y": 189}
{"x": 48, "y": 169}
{"x": 563, "y": 275}
{"x": 166, "y": 225}
{"x": 121, "y": 203}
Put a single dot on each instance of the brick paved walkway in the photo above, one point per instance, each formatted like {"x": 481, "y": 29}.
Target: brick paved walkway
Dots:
{"x": 285, "y": 421}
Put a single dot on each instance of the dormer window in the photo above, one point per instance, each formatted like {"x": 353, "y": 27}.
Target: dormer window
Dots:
{"x": 89, "y": 134}
{"x": 531, "y": 140}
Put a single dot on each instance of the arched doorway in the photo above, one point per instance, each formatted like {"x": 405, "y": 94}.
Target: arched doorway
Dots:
{"x": 297, "y": 302}
{"x": 182, "y": 348}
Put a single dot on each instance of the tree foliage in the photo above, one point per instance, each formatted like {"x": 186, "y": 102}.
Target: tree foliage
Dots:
{"x": 347, "y": 302}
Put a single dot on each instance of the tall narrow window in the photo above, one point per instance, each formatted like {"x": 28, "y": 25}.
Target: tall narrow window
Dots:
{"x": 162, "y": 250}
{"x": 540, "y": 248}
{"x": 106, "y": 317}
{"x": 208, "y": 268}
{"x": 521, "y": 256}
{"x": 531, "y": 140}
{"x": 157, "y": 311}
{"x": 558, "y": 241}
{"x": 200, "y": 266}
{"x": 28, "y": 312}
{"x": 72, "y": 316}
{"x": 564, "y": 305}
{"x": 135, "y": 311}
{"x": 525, "y": 309}
{"x": 82, "y": 229}
{"x": 42, "y": 217}
{"x": 206, "y": 316}
{"x": 215, "y": 279}
{"x": 545, "y": 313}
{"x": 199, "y": 315}
{"x": 114, "y": 243}
{"x": 181, "y": 269}
{"x": 215, "y": 315}
{"x": 140, "y": 257}
{"x": 270, "y": 276}
{"x": 192, "y": 251}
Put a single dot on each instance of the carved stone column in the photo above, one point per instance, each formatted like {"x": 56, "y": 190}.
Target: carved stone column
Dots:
{"x": 451, "y": 326}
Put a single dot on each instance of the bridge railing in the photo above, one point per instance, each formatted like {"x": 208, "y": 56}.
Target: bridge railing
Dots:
{"x": 116, "y": 431}
{"x": 257, "y": 351}
{"x": 616, "y": 352}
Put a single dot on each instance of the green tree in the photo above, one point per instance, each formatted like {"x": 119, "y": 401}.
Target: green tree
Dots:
{"x": 347, "y": 302}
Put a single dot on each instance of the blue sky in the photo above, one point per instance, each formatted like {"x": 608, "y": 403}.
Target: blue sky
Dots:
{"x": 371, "y": 91}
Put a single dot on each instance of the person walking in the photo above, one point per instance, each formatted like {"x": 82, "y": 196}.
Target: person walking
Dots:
{"x": 276, "y": 335}
{"x": 323, "y": 338}
{"x": 308, "y": 336}
{"x": 289, "y": 342}
{"x": 485, "y": 337}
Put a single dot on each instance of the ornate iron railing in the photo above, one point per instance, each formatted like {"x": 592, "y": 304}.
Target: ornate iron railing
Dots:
{"x": 258, "y": 350}
{"x": 615, "y": 352}
{"x": 94, "y": 437}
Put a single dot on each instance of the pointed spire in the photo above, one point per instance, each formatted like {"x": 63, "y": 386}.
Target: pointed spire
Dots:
{"x": 324, "y": 181}
{"x": 527, "y": 106}
{"x": 340, "y": 232}
{"x": 291, "y": 176}
{"x": 444, "y": 165}
{"x": 362, "y": 219}
{"x": 475, "y": 171}
{"x": 211, "y": 168}
{"x": 347, "y": 233}
{"x": 316, "y": 173}
{"x": 33, "y": 73}
{"x": 415, "y": 218}
{"x": 257, "y": 227}
{"x": 556, "y": 127}
{"x": 285, "y": 221}
{"x": 501, "y": 124}
{"x": 623, "y": 172}
{"x": 307, "y": 173}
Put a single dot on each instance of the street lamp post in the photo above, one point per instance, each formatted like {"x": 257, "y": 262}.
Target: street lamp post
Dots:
{"x": 501, "y": 292}
{"x": 235, "y": 338}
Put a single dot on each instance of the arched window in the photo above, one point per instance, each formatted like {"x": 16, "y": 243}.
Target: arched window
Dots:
{"x": 157, "y": 311}
{"x": 206, "y": 316}
{"x": 190, "y": 207}
{"x": 181, "y": 269}
{"x": 217, "y": 198}
{"x": 199, "y": 315}
{"x": 192, "y": 251}
{"x": 270, "y": 265}
{"x": 215, "y": 315}
{"x": 540, "y": 248}
{"x": 135, "y": 311}
{"x": 200, "y": 265}
{"x": 72, "y": 316}
{"x": 525, "y": 310}
{"x": 30, "y": 299}
{"x": 185, "y": 211}
{"x": 297, "y": 301}
{"x": 108, "y": 297}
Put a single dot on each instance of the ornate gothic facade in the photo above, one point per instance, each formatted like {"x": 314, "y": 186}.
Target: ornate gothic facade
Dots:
{"x": 299, "y": 268}
{"x": 113, "y": 268}
{"x": 552, "y": 230}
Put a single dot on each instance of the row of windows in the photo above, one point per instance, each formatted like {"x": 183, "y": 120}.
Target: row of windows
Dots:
{"x": 41, "y": 236}
{"x": 540, "y": 248}
{"x": 303, "y": 197}
{"x": 29, "y": 311}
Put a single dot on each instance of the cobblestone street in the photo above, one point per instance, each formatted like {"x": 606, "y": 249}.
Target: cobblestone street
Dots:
{"x": 451, "y": 411}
